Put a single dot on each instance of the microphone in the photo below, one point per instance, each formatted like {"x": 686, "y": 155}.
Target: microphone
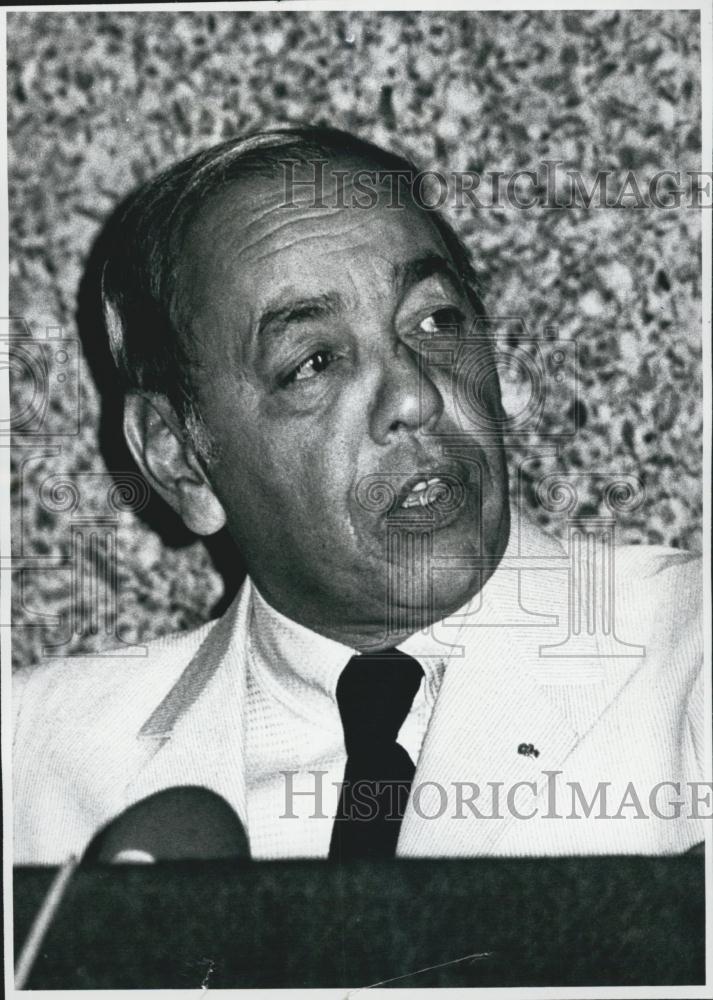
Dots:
{"x": 699, "y": 849}
{"x": 176, "y": 824}
{"x": 186, "y": 822}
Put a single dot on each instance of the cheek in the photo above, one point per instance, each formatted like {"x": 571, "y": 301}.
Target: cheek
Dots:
{"x": 291, "y": 480}
{"x": 470, "y": 386}
{"x": 292, "y": 467}
{"x": 317, "y": 481}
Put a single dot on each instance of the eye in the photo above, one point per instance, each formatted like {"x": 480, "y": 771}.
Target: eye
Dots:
{"x": 314, "y": 365}
{"x": 445, "y": 320}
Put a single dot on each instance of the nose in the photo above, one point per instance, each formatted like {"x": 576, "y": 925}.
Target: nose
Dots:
{"x": 406, "y": 399}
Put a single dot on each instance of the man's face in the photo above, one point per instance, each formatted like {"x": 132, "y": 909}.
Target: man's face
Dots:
{"x": 313, "y": 328}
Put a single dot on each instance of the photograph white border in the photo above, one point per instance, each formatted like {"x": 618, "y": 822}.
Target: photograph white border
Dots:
{"x": 554, "y": 993}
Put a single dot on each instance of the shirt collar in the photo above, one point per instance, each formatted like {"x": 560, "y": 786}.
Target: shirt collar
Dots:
{"x": 290, "y": 654}
{"x": 294, "y": 662}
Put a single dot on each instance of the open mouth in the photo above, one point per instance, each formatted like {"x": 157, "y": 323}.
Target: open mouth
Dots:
{"x": 436, "y": 494}
{"x": 423, "y": 491}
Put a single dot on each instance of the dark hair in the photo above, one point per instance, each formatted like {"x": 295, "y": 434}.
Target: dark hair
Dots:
{"x": 138, "y": 277}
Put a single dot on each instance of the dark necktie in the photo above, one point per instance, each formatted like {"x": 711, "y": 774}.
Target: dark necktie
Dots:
{"x": 374, "y": 693}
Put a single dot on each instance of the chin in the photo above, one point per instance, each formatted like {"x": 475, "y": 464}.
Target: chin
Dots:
{"x": 409, "y": 617}
{"x": 429, "y": 592}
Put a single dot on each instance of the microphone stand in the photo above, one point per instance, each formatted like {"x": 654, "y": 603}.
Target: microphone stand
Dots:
{"x": 43, "y": 919}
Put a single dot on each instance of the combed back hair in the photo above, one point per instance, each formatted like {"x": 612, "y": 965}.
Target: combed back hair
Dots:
{"x": 149, "y": 347}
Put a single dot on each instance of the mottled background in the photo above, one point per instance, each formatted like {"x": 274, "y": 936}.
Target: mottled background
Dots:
{"x": 98, "y": 101}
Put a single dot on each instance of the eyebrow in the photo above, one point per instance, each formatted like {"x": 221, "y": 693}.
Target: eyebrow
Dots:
{"x": 275, "y": 319}
{"x": 426, "y": 266}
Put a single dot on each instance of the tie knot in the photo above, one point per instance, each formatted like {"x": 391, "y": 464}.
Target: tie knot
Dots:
{"x": 374, "y": 694}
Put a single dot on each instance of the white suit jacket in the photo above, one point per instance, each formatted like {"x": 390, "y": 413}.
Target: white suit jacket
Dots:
{"x": 545, "y": 717}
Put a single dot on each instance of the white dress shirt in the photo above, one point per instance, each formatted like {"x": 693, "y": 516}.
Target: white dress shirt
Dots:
{"x": 294, "y": 728}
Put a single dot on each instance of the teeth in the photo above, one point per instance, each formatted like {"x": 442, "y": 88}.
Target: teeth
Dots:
{"x": 421, "y": 493}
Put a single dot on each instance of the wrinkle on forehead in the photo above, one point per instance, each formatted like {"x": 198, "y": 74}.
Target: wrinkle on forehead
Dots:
{"x": 275, "y": 220}
{"x": 253, "y": 211}
{"x": 280, "y": 229}
{"x": 324, "y": 237}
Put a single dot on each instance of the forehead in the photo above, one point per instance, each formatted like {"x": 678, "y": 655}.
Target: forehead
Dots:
{"x": 246, "y": 242}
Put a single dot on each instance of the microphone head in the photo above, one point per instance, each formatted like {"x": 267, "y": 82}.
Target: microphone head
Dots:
{"x": 180, "y": 823}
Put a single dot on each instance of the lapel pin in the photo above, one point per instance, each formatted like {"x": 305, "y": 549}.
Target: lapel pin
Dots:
{"x": 528, "y": 750}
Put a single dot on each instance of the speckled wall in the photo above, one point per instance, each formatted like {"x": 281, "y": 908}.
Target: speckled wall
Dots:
{"x": 98, "y": 101}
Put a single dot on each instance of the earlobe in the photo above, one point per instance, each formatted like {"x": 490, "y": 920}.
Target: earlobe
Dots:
{"x": 169, "y": 462}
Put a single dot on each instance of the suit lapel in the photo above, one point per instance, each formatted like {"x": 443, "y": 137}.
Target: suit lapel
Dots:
{"x": 498, "y": 700}
{"x": 195, "y": 735}
{"x": 490, "y": 703}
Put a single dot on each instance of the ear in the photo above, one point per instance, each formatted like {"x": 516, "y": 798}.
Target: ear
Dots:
{"x": 169, "y": 462}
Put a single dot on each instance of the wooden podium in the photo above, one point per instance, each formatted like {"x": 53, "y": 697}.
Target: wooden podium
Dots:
{"x": 492, "y": 922}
